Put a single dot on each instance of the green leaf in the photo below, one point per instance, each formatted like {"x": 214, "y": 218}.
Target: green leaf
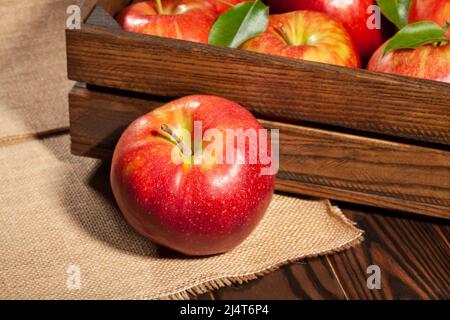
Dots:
{"x": 397, "y": 11}
{"x": 415, "y": 35}
{"x": 239, "y": 24}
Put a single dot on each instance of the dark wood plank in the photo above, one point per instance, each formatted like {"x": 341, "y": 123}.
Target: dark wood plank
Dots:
{"x": 271, "y": 87}
{"x": 90, "y": 108}
{"x": 310, "y": 279}
{"x": 205, "y": 296}
{"x": 312, "y": 161}
{"x": 413, "y": 257}
{"x": 444, "y": 231}
{"x": 368, "y": 171}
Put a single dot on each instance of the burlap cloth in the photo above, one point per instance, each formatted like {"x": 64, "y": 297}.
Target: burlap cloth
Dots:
{"x": 58, "y": 219}
{"x": 33, "y": 77}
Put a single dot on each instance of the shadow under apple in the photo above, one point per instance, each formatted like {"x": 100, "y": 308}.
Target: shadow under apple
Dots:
{"x": 108, "y": 225}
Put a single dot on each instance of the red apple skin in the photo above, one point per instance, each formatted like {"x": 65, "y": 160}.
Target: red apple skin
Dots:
{"x": 189, "y": 20}
{"x": 351, "y": 13}
{"x": 430, "y": 10}
{"x": 193, "y": 209}
{"x": 222, "y": 7}
{"x": 312, "y": 36}
{"x": 426, "y": 62}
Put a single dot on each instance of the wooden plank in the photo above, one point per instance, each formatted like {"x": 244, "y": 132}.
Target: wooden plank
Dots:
{"x": 312, "y": 161}
{"x": 310, "y": 279}
{"x": 363, "y": 170}
{"x": 412, "y": 256}
{"x": 89, "y": 108}
{"x": 444, "y": 231}
{"x": 205, "y": 296}
{"x": 271, "y": 87}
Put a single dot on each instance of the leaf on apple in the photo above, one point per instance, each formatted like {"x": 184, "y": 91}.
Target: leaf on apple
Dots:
{"x": 416, "y": 35}
{"x": 397, "y": 11}
{"x": 239, "y": 24}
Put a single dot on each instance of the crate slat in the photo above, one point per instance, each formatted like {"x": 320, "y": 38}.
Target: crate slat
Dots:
{"x": 313, "y": 161}
{"x": 274, "y": 88}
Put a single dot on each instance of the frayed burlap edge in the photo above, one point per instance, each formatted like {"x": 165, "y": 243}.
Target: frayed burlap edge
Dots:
{"x": 22, "y": 137}
{"x": 187, "y": 293}
{"x": 212, "y": 284}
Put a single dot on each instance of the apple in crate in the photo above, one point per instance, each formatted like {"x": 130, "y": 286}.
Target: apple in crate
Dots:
{"x": 430, "y": 10}
{"x": 353, "y": 14}
{"x": 189, "y": 20}
{"x": 307, "y": 35}
{"x": 184, "y": 199}
{"x": 426, "y": 62}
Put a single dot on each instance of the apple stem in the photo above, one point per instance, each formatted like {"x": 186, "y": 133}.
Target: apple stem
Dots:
{"x": 177, "y": 139}
{"x": 440, "y": 42}
{"x": 284, "y": 34}
{"x": 226, "y": 3}
{"x": 159, "y": 7}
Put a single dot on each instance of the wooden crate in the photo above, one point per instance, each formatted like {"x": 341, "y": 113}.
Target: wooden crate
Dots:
{"x": 345, "y": 134}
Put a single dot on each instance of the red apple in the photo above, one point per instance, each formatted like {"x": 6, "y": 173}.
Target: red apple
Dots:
{"x": 221, "y": 6}
{"x": 197, "y": 208}
{"x": 353, "y": 14}
{"x": 427, "y": 62}
{"x": 430, "y": 10}
{"x": 307, "y": 35}
{"x": 189, "y": 20}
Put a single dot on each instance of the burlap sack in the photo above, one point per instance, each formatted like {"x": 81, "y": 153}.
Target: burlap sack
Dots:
{"x": 62, "y": 236}
{"x": 33, "y": 77}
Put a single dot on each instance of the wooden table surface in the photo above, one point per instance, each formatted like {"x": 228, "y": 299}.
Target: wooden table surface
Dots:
{"x": 413, "y": 255}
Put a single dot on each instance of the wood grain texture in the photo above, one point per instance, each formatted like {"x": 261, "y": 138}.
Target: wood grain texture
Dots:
{"x": 377, "y": 172}
{"x": 88, "y": 109}
{"x": 312, "y": 161}
{"x": 271, "y": 87}
{"x": 411, "y": 253}
{"x": 312, "y": 279}
{"x": 412, "y": 256}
